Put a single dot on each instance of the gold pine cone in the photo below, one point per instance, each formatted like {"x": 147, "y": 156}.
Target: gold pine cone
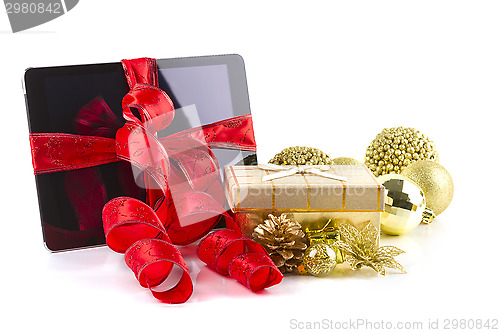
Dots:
{"x": 284, "y": 240}
{"x": 301, "y": 156}
{"x": 395, "y": 148}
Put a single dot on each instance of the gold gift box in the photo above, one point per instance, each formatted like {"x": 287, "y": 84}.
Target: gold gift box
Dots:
{"x": 310, "y": 199}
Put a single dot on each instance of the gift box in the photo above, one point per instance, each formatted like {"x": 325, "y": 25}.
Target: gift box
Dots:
{"x": 311, "y": 195}
{"x": 75, "y": 116}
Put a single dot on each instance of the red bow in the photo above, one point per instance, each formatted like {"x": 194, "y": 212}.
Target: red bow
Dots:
{"x": 182, "y": 179}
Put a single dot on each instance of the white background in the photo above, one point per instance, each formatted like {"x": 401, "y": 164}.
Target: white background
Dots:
{"x": 326, "y": 74}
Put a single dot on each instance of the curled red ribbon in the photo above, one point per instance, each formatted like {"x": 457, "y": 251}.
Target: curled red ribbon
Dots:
{"x": 230, "y": 253}
{"x": 189, "y": 212}
{"x": 133, "y": 228}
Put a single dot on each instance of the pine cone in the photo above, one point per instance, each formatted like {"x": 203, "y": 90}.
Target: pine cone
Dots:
{"x": 284, "y": 240}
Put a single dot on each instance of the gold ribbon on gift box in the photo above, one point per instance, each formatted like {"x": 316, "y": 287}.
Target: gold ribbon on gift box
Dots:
{"x": 282, "y": 171}
{"x": 239, "y": 177}
{"x": 290, "y": 170}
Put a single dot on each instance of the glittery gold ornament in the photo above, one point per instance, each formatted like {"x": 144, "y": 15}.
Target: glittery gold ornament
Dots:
{"x": 395, "y": 148}
{"x": 328, "y": 234}
{"x": 404, "y": 205}
{"x": 319, "y": 260}
{"x": 360, "y": 249}
{"x": 301, "y": 156}
{"x": 346, "y": 161}
{"x": 435, "y": 181}
{"x": 283, "y": 239}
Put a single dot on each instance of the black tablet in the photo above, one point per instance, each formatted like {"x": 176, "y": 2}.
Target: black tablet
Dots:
{"x": 71, "y": 201}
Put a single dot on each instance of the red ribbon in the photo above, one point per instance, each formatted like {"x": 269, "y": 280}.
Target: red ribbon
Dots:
{"x": 229, "y": 253}
{"x": 182, "y": 183}
{"x": 55, "y": 152}
{"x": 133, "y": 228}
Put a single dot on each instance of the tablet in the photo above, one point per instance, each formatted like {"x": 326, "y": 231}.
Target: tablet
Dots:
{"x": 71, "y": 201}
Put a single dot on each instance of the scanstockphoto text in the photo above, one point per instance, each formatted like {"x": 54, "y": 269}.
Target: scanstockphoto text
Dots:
{"x": 303, "y": 190}
{"x": 452, "y": 324}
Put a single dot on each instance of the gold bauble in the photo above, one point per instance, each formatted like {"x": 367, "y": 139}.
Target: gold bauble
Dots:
{"x": 435, "y": 181}
{"x": 346, "y": 161}
{"x": 319, "y": 260}
{"x": 395, "y": 148}
{"x": 301, "y": 156}
{"x": 404, "y": 205}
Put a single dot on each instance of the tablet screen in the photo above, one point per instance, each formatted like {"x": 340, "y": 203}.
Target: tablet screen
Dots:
{"x": 205, "y": 87}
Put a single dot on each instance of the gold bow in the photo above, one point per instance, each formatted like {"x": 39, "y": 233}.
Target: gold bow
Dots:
{"x": 290, "y": 170}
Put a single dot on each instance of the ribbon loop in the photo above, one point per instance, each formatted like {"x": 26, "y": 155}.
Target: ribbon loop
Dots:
{"x": 256, "y": 271}
{"x": 133, "y": 228}
{"x": 152, "y": 261}
{"x": 137, "y": 145}
{"x": 154, "y": 105}
{"x": 230, "y": 253}
{"x": 128, "y": 220}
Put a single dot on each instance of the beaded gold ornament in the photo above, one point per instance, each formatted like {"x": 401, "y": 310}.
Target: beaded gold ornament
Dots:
{"x": 301, "y": 156}
{"x": 395, "y": 148}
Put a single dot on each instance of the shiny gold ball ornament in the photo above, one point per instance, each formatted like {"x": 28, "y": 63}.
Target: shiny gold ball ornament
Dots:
{"x": 404, "y": 205}
{"x": 395, "y": 148}
{"x": 301, "y": 156}
{"x": 319, "y": 260}
{"x": 435, "y": 181}
{"x": 346, "y": 161}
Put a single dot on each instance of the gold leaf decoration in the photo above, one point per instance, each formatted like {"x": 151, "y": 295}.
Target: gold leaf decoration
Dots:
{"x": 360, "y": 249}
